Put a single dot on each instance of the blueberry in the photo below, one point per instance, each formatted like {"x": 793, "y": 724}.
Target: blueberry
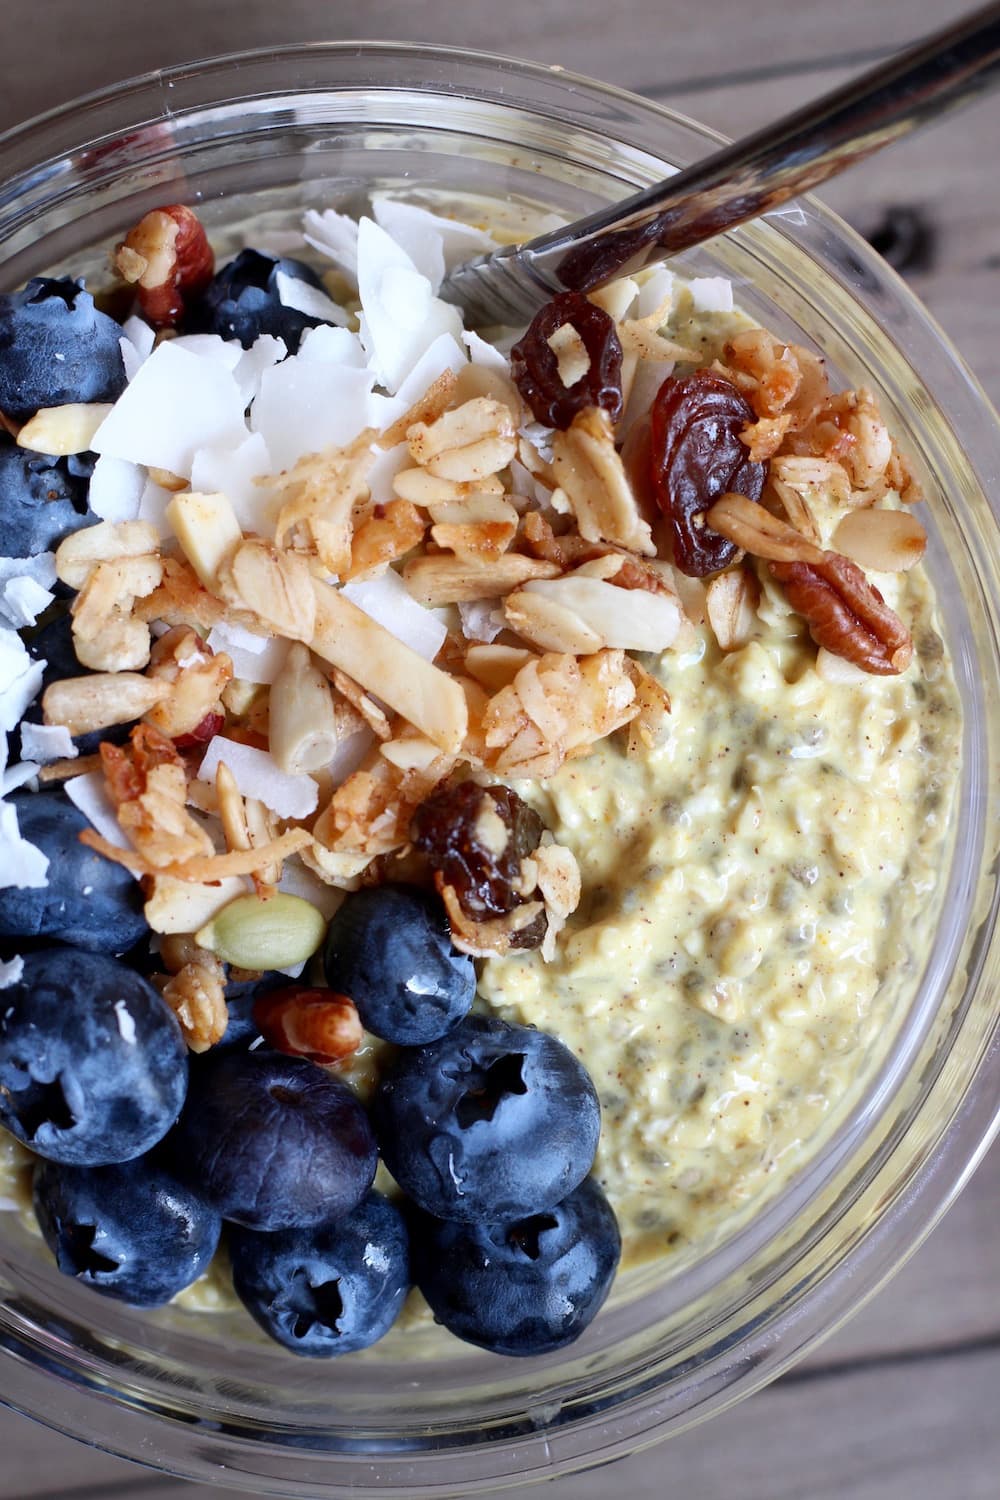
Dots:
{"x": 242, "y": 302}
{"x": 389, "y": 949}
{"x": 55, "y": 347}
{"x": 52, "y": 643}
{"x": 491, "y": 1122}
{"x": 130, "y": 1231}
{"x": 88, "y": 901}
{"x": 330, "y": 1289}
{"x": 522, "y": 1286}
{"x": 41, "y": 501}
{"x": 272, "y": 1141}
{"x": 93, "y": 1067}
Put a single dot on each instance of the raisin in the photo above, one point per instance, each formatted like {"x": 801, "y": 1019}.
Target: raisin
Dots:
{"x": 697, "y": 456}
{"x": 451, "y": 831}
{"x": 534, "y": 364}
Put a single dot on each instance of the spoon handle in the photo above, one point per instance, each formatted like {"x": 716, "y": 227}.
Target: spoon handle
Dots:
{"x": 741, "y": 181}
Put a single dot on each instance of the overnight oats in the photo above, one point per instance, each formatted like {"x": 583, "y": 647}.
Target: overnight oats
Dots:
{"x": 511, "y": 768}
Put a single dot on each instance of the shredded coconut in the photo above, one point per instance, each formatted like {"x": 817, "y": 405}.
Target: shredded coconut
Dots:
{"x": 258, "y": 775}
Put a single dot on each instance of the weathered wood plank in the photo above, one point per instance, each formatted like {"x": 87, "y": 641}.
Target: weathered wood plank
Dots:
{"x": 645, "y": 44}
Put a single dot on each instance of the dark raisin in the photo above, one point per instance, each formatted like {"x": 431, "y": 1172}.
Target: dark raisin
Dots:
{"x": 449, "y": 829}
{"x": 697, "y": 456}
{"x": 535, "y": 365}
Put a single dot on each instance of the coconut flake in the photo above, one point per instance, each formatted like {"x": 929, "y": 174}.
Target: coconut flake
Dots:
{"x": 153, "y": 504}
{"x": 387, "y": 464}
{"x": 20, "y": 678}
{"x": 41, "y": 567}
{"x": 136, "y": 345}
{"x": 336, "y": 346}
{"x": 18, "y": 776}
{"x": 258, "y": 775}
{"x": 712, "y": 294}
{"x": 401, "y": 315}
{"x": 484, "y": 354}
{"x": 656, "y": 292}
{"x": 179, "y": 401}
{"x": 226, "y": 352}
{"x": 296, "y": 880}
{"x": 116, "y": 488}
{"x": 259, "y": 667}
{"x": 432, "y": 242}
{"x": 482, "y": 619}
{"x": 11, "y": 971}
{"x": 235, "y": 472}
{"x": 228, "y": 636}
{"x": 45, "y": 743}
{"x": 22, "y": 600}
{"x": 264, "y": 352}
{"x": 21, "y": 864}
{"x": 388, "y": 600}
{"x": 306, "y": 406}
{"x": 90, "y": 794}
{"x": 303, "y": 297}
{"x": 335, "y": 236}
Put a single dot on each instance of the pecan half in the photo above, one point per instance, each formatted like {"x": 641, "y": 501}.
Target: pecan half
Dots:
{"x": 846, "y": 613}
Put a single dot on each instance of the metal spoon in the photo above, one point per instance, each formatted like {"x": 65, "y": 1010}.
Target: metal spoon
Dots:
{"x": 741, "y": 181}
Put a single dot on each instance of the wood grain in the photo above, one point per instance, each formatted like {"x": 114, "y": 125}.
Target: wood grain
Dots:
{"x": 900, "y": 1403}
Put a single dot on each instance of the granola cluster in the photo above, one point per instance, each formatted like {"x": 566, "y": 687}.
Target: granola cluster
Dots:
{"x": 545, "y": 560}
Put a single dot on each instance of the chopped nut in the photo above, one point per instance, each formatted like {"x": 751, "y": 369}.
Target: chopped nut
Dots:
{"x": 62, "y": 430}
{"x": 649, "y": 727}
{"x": 483, "y": 525}
{"x": 387, "y": 535}
{"x": 432, "y": 404}
{"x": 79, "y": 554}
{"x": 106, "y": 637}
{"x": 196, "y": 677}
{"x": 635, "y": 619}
{"x": 321, "y": 494}
{"x": 366, "y": 706}
{"x": 303, "y": 729}
{"x": 589, "y": 469}
{"x": 181, "y": 599}
{"x": 275, "y": 586}
{"x": 731, "y": 602}
{"x": 438, "y": 579}
{"x": 83, "y": 704}
{"x": 197, "y": 997}
{"x": 496, "y": 666}
{"x": 765, "y": 436}
{"x": 468, "y": 444}
{"x": 887, "y": 541}
{"x": 207, "y": 529}
{"x": 550, "y": 625}
{"x": 752, "y": 527}
{"x": 315, "y": 1023}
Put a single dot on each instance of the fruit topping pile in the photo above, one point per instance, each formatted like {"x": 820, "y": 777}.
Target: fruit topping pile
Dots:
{"x": 299, "y": 575}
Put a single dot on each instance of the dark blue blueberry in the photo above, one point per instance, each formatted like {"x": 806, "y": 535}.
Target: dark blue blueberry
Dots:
{"x": 242, "y": 302}
{"x": 523, "y": 1286}
{"x": 53, "y": 644}
{"x": 130, "y": 1231}
{"x": 389, "y": 949}
{"x": 88, "y": 901}
{"x": 41, "y": 501}
{"x": 273, "y": 1141}
{"x": 491, "y": 1122}
{"x": 93, "y": 1067}
{"x": 330, "y": 1289}
{"x": 55, "y": 347}
{"x": 242, "y": 1030}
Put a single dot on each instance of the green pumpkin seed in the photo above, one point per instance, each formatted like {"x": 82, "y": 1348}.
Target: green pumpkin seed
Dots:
{"x": 272, "y": 934}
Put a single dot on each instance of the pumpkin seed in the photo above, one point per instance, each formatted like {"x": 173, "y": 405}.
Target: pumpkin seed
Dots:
{"x": 264, "y": 934}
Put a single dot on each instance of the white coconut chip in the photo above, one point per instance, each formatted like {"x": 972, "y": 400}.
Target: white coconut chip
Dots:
{"x": 484, "y": 354}
{"x": 261, "y": 667}
{"x": 116, "y": 488}
{"x": 401, "y": 316}
{"x": 11, "y": 971}
{"x": 350, "y": 754}
{"x": 225, "y": 352}
{"x": 303, "y": 297}
{"x": 388, "y": 600}
{"x": 305, "y": 406}
{"x": 41, "y": 567}
{"x": 178, "y": 402}
{"x": 649, "y": 376}
{"x": 22, "y": 865}
{"x": 22, "y": 600}
{"x": 443, "y": 355}
{"x": 262, "y": 354}
{"x": 387, "y": 464}
{"x": 258, "y": 775}
{"x": 655, "y": 291}
{"x": 235, "y": 472}
{"x": 432, "y": 242}
{"x": 18, "y": 776}
{"x": 137, "y": 343}
{"x": 335, "y": 236}
{"x": 90, "y": 794}
{"x": 296, "y": 880}
{"x": 153, "y": 504}
{"x": 482, "y": 619}
{"x": 712, "y": 294}
{"x": 45, "y": 743}
{"x": 20, "y": 678}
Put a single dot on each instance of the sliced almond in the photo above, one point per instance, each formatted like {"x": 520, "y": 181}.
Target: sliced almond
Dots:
{"x": 550, "y": 624}
{"x": 439, "y": 579}
{"x": 276, "y": 586}
{"x": 885, "y": 541}
{"x": 588, "y": 467}
{"x": 496, "y": 666}
{"x": 467, "y": 444}
{"x": 79, "y": 553}
{"x": 627, "y": 619}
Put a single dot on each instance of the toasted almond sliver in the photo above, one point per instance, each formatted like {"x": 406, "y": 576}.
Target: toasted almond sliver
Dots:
{"x": 432, "y": 404}
{"x": 731, "y": 602}
{"x": 797, "y": 509}
{"x": 366, "y": 706}
{"x": 65, "y": 770}
{"x": 440, "y": 580}
{"x": 426, "y": 697}
{"x": 62, "y": 430}
{"x": 79, "y": 553}
{"x": 886, "y": 541}
{"x": 83, "y": 704}
{"x": 630, "y": 619}
{"x": 551, "y": 625}
{"x": 496, "y": 666}
{"x": 752, "y": 527}
{"x": 202, "y": 868}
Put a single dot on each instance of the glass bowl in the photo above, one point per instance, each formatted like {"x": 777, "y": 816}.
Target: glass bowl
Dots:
{"x": 259, "y": 136}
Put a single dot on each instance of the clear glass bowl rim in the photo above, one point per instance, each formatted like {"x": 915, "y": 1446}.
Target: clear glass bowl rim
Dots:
{"x": 70, "y": 1399}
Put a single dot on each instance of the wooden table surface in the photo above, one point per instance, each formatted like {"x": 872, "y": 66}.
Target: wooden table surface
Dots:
{"x": 901, "y": 1404}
